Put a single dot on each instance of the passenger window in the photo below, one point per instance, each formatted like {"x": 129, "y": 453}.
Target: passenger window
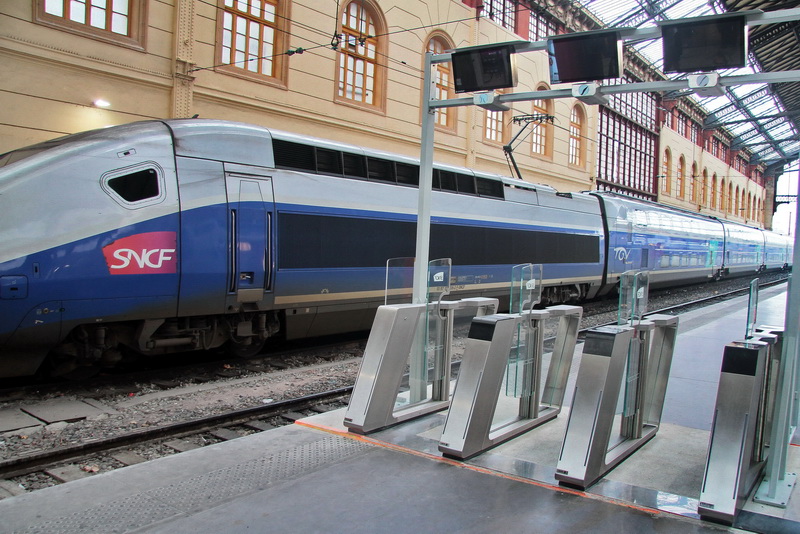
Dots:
{"x": 380, "y": 170}
{"x": 489, "y": 188}
{"x": 329, "y": 161}
{"x": 407, "y": 174}
{"x": 290, "y": 155}
{"x": 354, "y": 165}
{"x": 136, "y": 186}
{"x": 466, "y": 184}
{"x": 447, "y": 181}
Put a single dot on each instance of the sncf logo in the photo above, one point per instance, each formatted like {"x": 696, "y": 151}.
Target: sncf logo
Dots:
{"x": 150, "y": 253}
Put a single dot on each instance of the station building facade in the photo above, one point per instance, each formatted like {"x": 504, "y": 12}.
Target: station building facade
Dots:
{"x": 351, "y": 70}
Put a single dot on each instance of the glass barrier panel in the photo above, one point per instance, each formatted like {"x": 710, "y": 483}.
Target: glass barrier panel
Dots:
{"x": 752, "y": 309}
{"x": 634, "y": 288}
{"x": 526, "y": 287}
{"x": 439, "y": 276}
{"x": 439, "y": 272}
{"x": 399, "y": 281}
{"x": 526, "y": 291}
{"x": 430, "y": 340}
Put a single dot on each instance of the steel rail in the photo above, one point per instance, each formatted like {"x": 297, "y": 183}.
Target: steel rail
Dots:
{"x": 35, "y": 462}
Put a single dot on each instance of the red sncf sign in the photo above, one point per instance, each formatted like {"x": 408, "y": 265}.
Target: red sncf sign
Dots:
{"x": 149, "y": 253}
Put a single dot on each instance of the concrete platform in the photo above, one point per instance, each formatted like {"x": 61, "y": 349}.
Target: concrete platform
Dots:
{"x": 315, "y": 477}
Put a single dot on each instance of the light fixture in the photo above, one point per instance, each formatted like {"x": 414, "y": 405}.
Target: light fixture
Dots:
{"x": 100, "y": 103}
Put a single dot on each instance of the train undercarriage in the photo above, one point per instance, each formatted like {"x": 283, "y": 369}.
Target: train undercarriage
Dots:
{"x": 90, "y": 348}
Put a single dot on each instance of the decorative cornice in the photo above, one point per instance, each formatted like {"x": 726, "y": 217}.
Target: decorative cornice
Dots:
{"x": 86, "y": 61}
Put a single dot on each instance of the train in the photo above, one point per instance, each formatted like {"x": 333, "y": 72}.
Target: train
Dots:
{"x": 165, "y": 236}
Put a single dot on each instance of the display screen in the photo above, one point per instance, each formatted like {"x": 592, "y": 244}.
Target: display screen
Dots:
{"x": 585, "y": 57}
{"x": 706, "y": 44}
{"x": 484, "y": 69}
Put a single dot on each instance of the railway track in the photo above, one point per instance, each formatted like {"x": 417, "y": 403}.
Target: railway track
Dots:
{"x": 255, "y": 418}
{"x": 683, "y": 307}
{"x": 705, "y": 301}
{"x": 79, "y": 457}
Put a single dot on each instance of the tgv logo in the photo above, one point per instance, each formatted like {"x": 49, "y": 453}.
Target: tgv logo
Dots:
{"x": 622, "y": 253}
{"x": 150, "y": 253}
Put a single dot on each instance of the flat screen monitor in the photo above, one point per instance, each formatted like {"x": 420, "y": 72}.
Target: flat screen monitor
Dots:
{"x": 585, "y": 57}
{"x": 705, "y": 44}
{"x": 484, "y": 68}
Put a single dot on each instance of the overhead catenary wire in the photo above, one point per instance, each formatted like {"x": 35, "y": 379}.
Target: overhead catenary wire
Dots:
{"x": 333, "y": 44}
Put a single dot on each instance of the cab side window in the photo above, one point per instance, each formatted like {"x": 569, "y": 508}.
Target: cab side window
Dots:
{"x": 137, "y": 186}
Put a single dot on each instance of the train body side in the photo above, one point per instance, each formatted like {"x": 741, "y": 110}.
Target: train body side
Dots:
{"x": 778, "y": 251}
{"x": 181, "y": 234}
{"x": 744, "y": 250}
{"x": 92, "y": 236}
{"x": 675, "y": 247}
{"x": 165, "y": 236}
{"x": 336, "y": 234}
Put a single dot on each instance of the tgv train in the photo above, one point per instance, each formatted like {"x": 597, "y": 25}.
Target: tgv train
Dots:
{"x": 165, "y": 236}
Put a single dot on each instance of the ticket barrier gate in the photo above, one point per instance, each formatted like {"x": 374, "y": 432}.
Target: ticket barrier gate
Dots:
{"x": 468, "y": 428}
{"x": 738, "y": 446}
{"x": 642, "y": 351}
{"x": 373, "y": 402}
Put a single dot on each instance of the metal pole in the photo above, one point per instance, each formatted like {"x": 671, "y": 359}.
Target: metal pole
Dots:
{"x": 785, "y": 396}
{"x": 420, "y": 288}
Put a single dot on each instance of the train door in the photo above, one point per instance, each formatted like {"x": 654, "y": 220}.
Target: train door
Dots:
{"x": 250, "y": 251}
{"x": 204, "y": 231}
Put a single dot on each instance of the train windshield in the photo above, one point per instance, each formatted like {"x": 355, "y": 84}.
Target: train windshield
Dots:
{"x": 18, "y": 155}
{"x": 26, "y": 152}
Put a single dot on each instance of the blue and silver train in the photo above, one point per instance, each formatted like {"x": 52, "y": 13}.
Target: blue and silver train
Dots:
{"x": 165, "y": 236}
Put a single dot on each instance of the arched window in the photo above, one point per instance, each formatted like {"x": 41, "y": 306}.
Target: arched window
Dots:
{"x": 736, "y": 211}
{"x": 743, "y": 205}
{"x": 577, "y": 125}
{"x": 704, "y": 195}
{"x": 714, "y": 192}
{"x": 750, "y": 209}
{"x": 666, "y": 173}
{"x": 542, "y": 131}
{"x": 731, "y": 200}
{"x": 681, "y": 183}
{"x": 360, "y": 73}
{"x": 252, "y": 38}
{"x": 443, "y": 76}
{"x": 694, "y": 185}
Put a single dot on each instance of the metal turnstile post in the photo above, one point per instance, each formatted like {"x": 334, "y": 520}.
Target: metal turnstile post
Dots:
{"x": 468, "y": 429}
{"x": 397, "y": 327}
{"x": 643, "y": 354}
{"x": 735, "y": 455}
{"x": 776, "y": 487}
